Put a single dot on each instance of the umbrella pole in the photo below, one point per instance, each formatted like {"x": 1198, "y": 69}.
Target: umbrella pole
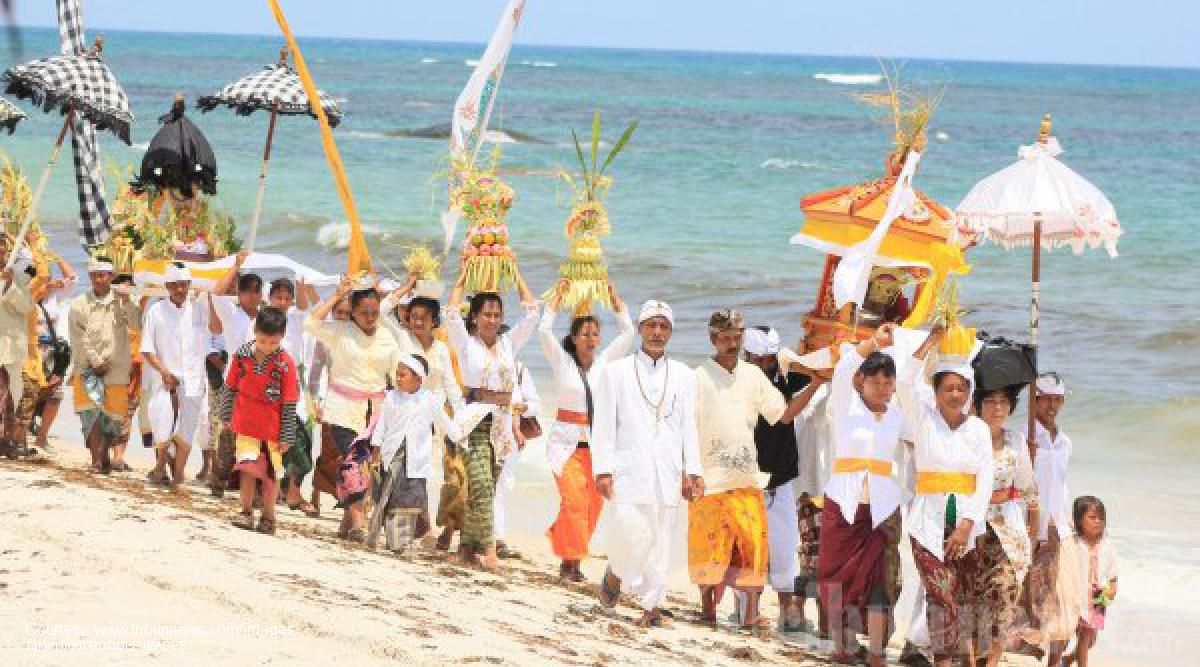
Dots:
{"x": 262, "y": 182}
{"x": 1034, "y": 315}
{"x": 41, "y": 187}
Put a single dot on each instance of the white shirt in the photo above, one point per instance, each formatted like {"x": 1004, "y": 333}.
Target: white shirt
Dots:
{"x": 814, "y": 439}
{"x": 1050, "y": 468}
{"x": 440, "y": 380}
{"x": 526, "y": 392}
{"x": 728, "y": 406}
{"x": 563, "y": 437}
{"x": 237, "y": 328}
{"x": 178, "y": 336}
{"x": 859, "y": 434}
{"x": 492, "y": 368}
{"x": 489, "y": 368}
{"x": 411, "y": 418}
{"x": 644, "y": 433}
{"x": 1107, "y": 566}
{"x": 358, "y": 362}
{"x": 939, "y": 448}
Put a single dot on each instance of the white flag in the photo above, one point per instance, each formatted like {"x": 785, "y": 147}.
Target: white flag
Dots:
{"x": 473, "y": 108}
{"x": 475, "y": 102}
{"x": 854, "y": 270}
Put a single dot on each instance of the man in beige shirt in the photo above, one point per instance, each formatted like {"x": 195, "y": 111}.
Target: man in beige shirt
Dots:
{"x": 15, "y": 307}
{"x": 99, "y": 334}
{"x": 727, "y": 528}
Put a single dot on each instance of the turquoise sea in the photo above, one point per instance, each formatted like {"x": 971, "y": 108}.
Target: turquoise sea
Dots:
{"x": 706, "y": 198}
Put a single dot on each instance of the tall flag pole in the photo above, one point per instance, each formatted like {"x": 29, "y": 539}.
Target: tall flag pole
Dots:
{"x": 359, "y": 260}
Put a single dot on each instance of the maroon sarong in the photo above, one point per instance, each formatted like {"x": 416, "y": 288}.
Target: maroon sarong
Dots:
{"x": 853, "y": 565}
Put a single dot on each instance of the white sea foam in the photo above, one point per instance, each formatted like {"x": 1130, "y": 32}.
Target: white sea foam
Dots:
{"x": 341, "y": 100}
{"x": 850, "y": 79}
{"x": 471, "y": 63}
{"x": 336, "y": 235}
{"x": 499, "y": 137}
{"x": 429, "y": 61}
{"x": 781, "y": 163}
{"x": 362, "y": 134}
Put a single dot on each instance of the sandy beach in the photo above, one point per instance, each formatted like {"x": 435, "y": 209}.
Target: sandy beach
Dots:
{"x": 106, "y": 567}
{"x": 110, "y": 568}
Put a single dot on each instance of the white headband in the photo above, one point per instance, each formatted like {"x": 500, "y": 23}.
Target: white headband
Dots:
{"x": 761, "y": 343}
{"x": 175, "y": 274}
{"x": 654, "y": 308}
{"x": 413, "y": 365}
{"x": 1051, "y": 385}
{"x": 99, "y": 266}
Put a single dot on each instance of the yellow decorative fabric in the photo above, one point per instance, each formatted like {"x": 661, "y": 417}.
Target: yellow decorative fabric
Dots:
{"x": 873, "y": 466}
{"x": 727, "y": 539}
{"x": 930, "y": 482}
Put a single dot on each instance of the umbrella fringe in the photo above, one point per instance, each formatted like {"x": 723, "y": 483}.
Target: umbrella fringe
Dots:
{"x": 115, "y": 121}
{"x": 210, "y": 102}
{"x": 204, "y": 180}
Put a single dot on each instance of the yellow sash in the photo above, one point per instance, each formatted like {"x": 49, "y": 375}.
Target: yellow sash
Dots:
{"x": 873, "y": 466}
{"x": 929, "y": 482}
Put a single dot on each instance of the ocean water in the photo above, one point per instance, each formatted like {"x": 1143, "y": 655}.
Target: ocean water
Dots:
{"x": 706, "y": 198}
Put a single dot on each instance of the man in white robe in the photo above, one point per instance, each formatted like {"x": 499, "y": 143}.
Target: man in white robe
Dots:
{"x": 175, "y": 342}
{"x": 645, "y": 459}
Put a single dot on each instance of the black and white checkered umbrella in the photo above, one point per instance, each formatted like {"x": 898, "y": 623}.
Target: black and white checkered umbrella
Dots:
{"x": 277, "y": 88}
{"x": 79, "y": 83}
{"x": 10, "y": 115}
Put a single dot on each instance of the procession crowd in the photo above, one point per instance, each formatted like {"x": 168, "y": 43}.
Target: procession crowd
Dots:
{"x": 804, "y": 481}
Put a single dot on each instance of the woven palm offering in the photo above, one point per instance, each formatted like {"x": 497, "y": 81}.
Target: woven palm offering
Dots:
{"x": 584, "y": 276}
{"x": 489, "y": 265}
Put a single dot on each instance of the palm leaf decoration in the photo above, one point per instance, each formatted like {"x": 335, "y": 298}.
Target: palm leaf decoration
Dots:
{"x": 595, "y": 183}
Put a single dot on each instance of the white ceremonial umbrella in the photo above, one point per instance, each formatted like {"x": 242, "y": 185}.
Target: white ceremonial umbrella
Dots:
{"x": 1041, "y": 202}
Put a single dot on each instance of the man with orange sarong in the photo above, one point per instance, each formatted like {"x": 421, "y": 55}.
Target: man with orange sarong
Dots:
{"x": 727, "y": 528}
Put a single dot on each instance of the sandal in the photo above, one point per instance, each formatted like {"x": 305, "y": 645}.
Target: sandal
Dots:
{"x": 356, "y": 535}
{"x": 608, "y": 597}
{"x": 654, "y": 619}
{"x": 245, "y": 520}
{"x": 266, "y": 526}
{"x": 159, "y": 479}
{"x": 306, "y": 507}
{"x": 443, "y": 541}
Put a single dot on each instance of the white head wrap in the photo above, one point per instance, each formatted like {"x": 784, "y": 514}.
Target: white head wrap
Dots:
{"x": 1051, "y": 385}
{"x": 176, "y": 274}
{"x": 654, "y": 308}
{"x": 413, "y": 365}
{"x": 761, "y": 343}
{"x": 962, "y": 369}
{"x": 99, "y": 266}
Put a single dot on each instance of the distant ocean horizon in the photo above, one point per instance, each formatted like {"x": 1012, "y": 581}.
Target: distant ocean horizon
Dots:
{"x": 706, "y": 199}
{"x": 631, "y": 49}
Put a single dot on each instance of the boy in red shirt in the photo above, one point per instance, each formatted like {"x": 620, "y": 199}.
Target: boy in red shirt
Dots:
{"x": 259, "y": 405}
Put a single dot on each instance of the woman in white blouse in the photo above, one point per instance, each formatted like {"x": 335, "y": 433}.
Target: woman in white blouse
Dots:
{"x": 576, "y": 362}
{"x": 858, "y": 559}
{"x": 952, "y": 460}
{"x": 996, "y": 568}
{"x": 487, "y": 361}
